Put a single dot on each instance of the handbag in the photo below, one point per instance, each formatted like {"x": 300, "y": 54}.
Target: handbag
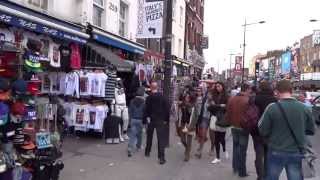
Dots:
{"x": 308, "y": 169}
{"x": 213, "y": 121}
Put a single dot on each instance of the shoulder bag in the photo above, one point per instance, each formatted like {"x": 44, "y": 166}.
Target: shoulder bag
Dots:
{"x": 308, "y": 169}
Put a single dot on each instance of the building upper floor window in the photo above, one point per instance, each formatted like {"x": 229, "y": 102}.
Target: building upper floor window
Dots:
{"x": 43, "y": 4}
{"x": 181, "y": 15}
{"x": 174, "y": 4}
{"x": 98, "y": 11}
{"x": 180, "y": 48}
{"x": 123, "y": 20}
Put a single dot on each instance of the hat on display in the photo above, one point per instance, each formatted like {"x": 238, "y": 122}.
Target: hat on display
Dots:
{"x": 4, "y": 113}
{"x": 5, "y": 96}
{"x": 33, "y": 86}
{"x": 30, "y": 113}
{"x": 4, "y": 84}
{"x": 18, "y": 108}
{"x": 32, "y": 62}
{"x": 19, "y": 86}
{"x": 28, "y": 145}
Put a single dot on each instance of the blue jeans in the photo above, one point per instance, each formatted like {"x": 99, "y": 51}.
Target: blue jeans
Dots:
{"x": 278, "y": 160}
{"x": 135, "y": 135}
{"x": 240, "y": 146}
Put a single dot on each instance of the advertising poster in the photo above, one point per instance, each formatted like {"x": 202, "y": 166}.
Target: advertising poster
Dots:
{"x": 286, "y": 63}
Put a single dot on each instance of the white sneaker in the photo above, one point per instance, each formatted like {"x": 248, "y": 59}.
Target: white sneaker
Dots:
{"x": 126, "y": 137}
{"x": 109, "y": 141}
{"x": 121, "y": 139}
{"x": 116, "y": 141}
{"x": 215, "y": 161}
{"x": 227, "y": 155}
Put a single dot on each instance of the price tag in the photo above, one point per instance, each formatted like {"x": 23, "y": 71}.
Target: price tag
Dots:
{"x": 43, "y": 140}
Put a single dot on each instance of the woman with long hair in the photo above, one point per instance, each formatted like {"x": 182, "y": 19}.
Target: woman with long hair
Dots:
{"x": 218, "y": 110}
{"x": 187, "y": 122}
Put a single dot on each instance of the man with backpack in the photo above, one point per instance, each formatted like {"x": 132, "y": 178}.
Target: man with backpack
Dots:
{"x": 285, "y": 124}
{"x": 236, "y": 108}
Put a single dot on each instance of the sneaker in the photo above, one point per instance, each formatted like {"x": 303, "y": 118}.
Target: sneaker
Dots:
{"x": 121, "y": 139}
{"x": 108, "y": 141}
{"x": 162, "y": 161}
{"x": 126, "y": 137}
{"x": 116, "y": 141}
{"x": 215, "y": 161}
{"x": 129, "y": 154}
{"x": 227, "y": 155}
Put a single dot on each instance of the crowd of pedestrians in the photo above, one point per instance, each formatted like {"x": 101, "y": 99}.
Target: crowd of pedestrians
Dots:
{"x": 278, "y": 124}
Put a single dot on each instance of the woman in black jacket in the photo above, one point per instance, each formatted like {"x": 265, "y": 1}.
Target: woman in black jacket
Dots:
{"x": 218, "y": 110}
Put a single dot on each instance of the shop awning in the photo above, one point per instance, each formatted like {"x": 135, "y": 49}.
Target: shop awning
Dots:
{"x": 120, "y": 64}
{"x": 116, "y": 41}
{"x": 22, "y": 17}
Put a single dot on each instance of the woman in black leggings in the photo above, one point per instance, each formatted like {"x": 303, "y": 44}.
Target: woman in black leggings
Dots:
{"x": 219, "y": 109}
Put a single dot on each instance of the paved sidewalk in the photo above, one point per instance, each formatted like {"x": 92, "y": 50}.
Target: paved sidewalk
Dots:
{"x": 90, "y": 159}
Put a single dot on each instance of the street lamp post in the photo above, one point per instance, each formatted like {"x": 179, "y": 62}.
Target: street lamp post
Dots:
{"x": 244, "y": 43}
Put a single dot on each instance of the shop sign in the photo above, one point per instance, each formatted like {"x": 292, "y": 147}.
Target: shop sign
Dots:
{"x": 150, "y": 19}
{"x": 43, "y": 140}
{"x": 205, "y": 42}
{"x": 238, "y": 65}
{"x": 316, "y": 37}
{"x": 39, "y": 28}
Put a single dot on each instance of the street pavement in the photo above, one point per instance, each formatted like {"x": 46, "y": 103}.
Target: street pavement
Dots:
{"x": 88, "y": 158}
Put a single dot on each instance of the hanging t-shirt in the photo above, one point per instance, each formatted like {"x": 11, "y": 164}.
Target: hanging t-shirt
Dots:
{"x": 101, "y": 114}
{"x": 72, "y": 84}
{"x": 6, "y": 35}
{"x": 62, "y": 81}
{"x": 54, "y": 55}
{"x": 142, "y": 72}
{"x": 103, "y": 80}
{"x": 55, "y": 83}
{"x": 84, "y": 84}
{"x": 75, "y": 61}
{"x": 94, "y": 84}
{"x": 92, "y": 114}
{"x": 45, "y": 82}
{"x": 65, "y": 54}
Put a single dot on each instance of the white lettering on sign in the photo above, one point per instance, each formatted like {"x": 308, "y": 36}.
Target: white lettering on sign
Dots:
{"x": 27, "y": 24}
{"x": 5, "y": 18}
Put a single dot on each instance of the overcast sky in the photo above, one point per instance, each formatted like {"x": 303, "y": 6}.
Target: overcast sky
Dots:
{"x": 287, "y": 21}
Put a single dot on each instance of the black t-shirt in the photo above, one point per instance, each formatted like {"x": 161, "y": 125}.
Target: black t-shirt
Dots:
{"x": 65, "y": 54}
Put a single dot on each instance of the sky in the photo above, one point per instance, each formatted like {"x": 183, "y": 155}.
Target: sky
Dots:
{"x": 287, "y": 21}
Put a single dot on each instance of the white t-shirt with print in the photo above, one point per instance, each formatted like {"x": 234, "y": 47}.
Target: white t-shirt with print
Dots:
{"x": 54, "y": 55}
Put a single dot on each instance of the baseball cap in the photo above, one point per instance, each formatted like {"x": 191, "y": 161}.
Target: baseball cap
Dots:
{"x": 19, "y": 86}
{"x": 4, "y": 113}
{"x": 4, "y": 84}
{"x": 32, "y": 62}
{"x": 33, "y": 88}
{"x": 18, "y": 108}
{"x": 5, "y": 96}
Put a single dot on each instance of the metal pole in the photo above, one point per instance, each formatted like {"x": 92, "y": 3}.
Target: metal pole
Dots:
{"x": 168, "y": 56}
{"x": 230, "y": 65}
{"x": 244, "y": 48}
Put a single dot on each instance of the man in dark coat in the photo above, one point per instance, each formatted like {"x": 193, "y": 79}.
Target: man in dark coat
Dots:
{"x": 156, "y": 116}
